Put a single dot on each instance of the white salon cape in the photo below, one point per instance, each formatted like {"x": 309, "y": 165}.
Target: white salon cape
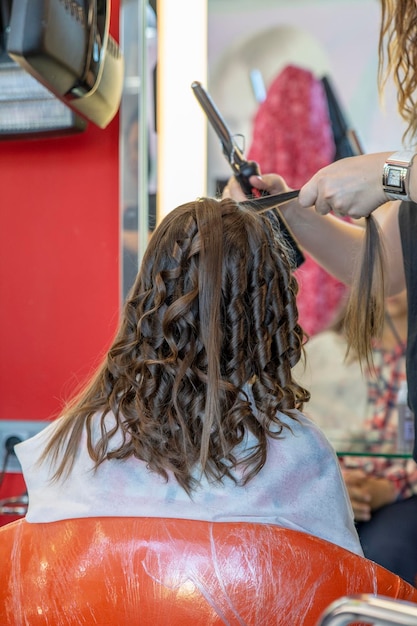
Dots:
{"x": 299, "y": 487}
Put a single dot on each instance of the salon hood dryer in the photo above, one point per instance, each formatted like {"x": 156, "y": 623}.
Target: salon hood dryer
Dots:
{"x": 66, "y": 46}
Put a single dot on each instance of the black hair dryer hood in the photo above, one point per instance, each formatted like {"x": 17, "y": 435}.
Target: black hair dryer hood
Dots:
{"x": 66, "y": 46}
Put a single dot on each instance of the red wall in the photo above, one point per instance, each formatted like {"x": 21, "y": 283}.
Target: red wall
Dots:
{"x": 59, "y": 266}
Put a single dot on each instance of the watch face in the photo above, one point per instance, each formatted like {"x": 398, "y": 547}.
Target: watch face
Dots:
{"x": 394, "y": 177}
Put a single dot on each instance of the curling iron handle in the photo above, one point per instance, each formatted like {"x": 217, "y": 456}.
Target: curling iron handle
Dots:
{"x": 246, "y": 170}
{"x": 251, "y": 168}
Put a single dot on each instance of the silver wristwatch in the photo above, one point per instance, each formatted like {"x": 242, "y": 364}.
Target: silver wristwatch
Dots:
{"x": 396, "y": 173}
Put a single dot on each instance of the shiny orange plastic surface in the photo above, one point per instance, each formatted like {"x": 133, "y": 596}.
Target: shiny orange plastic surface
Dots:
{"x": 169, "y": 572}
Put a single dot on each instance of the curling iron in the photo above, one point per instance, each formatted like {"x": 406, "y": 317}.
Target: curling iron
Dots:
{"x": 243, "y": 169}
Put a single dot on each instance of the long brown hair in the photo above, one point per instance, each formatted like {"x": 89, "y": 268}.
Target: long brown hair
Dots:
{"x": 213, "y": 308}
{"x": 364, "y": 318}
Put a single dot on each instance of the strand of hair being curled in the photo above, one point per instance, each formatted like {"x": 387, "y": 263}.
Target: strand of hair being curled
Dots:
{"x": 364, "y": 319}
{"x": 213, "y": 310}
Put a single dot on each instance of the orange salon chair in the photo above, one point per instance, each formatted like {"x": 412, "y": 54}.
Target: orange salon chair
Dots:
{"x": 170, "y": 572}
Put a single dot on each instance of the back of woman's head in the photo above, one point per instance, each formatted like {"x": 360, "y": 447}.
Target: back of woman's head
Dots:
{"x": 213, "y": 308}
{"x": 216, "y": 291}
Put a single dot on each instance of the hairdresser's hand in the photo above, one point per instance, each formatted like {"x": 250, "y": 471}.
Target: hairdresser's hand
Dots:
{"x": 360, "y": 497}
{"x": 271, "y": 183}
{"x": 351, "y": 186}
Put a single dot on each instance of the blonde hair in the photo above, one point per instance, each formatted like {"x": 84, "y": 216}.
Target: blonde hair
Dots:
{"x": 398, "y": 57}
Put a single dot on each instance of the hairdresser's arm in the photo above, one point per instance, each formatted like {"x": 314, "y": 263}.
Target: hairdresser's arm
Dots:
{"x": 352, "y": 186}
{"x": 334, "y": 243}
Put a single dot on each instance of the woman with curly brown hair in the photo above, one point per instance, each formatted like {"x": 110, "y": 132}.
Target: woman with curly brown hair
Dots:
{"x": 194, "y": 412}
{"x": 357, "y": 186}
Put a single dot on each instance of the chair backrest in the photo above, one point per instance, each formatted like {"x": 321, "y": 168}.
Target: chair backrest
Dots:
{"x": 140, "y": 571}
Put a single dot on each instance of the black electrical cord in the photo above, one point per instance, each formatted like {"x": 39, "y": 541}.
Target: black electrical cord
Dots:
{"x": 9, "y": 445}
